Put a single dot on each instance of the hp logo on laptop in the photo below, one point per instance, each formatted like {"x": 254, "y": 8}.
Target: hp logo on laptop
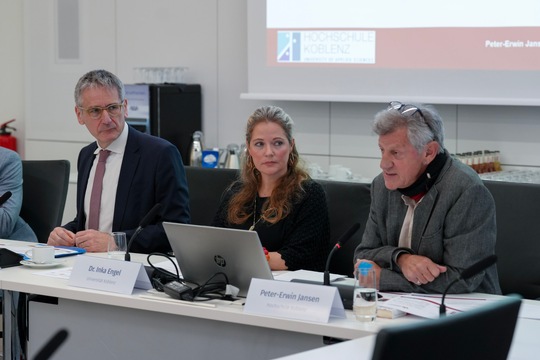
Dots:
{"x": 220, "y": 261}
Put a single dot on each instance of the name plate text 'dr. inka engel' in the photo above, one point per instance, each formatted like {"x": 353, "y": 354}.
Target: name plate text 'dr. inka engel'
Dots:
{"x": 108, "y": 275}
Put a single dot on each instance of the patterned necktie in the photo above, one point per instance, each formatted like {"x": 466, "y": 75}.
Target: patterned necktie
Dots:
{"x": 95, "y": 197}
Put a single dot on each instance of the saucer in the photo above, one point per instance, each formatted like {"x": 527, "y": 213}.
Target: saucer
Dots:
{"x": 32, "y": 264}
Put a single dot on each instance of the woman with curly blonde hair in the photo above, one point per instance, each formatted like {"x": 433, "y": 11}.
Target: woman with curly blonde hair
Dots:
{"x": 276, "y": 197}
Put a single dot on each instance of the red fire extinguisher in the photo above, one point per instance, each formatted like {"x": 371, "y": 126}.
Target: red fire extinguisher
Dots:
{"x": 6, "y": 140}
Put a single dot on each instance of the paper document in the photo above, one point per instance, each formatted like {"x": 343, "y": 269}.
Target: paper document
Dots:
{"x": 306, "y": 275}
{"x": 168, "y": 265}
{"x": 26, "y": 250}
{"x": 61, "y": 273}
{"x": 529, "y": 311}
{"x": 428, "y": 305}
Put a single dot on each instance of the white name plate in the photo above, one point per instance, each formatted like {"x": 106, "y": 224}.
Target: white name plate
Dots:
{"x": 108, "y": 275}
{"x": 293, "y": 300}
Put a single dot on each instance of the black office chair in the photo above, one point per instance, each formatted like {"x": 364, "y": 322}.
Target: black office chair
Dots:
{"x": 482, "y": 333}
{"x": 45, "y": 185}
{"x": 517, "y": 240}
{"x": 204, "y": 197}
{"x": 348, "y": 203}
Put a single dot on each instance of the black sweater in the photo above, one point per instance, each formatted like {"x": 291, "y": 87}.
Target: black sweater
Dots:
{"x": 302, "y": 237}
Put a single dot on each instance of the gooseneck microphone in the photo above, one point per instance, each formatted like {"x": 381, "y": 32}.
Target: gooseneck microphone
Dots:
{"x": 5, "y": 197}
{"x": 344, "y": 238}
{"x": 144, "y": 222}
{"x": 52, "y": 345}
{"x": 467, "y": 273}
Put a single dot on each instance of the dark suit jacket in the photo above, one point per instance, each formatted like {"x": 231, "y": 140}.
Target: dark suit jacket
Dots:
{"x": 152, "y": 172}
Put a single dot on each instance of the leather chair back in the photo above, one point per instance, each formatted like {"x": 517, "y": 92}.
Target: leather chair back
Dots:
{"x": 45, "y": 186}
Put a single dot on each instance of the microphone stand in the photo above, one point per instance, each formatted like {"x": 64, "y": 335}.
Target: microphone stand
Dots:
{"x": 465, "y": 274}
{"x": 326, "y": 275}
{"x": 344, "y": 238}
{"x": 127, "y": 256}
{"x": 52, "y": 345}
{"x": 5, "y": 197}
{"x": 144, "y": 222}
{"x": 442, "y": 307}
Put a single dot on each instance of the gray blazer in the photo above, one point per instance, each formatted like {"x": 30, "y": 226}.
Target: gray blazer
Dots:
{"x": 454, "y": 225}
{"x": 12, "y": 226}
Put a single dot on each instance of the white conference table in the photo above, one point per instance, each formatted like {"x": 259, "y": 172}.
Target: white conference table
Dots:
{"x": 114, "y": 326}
{"x": 109, "y": 325}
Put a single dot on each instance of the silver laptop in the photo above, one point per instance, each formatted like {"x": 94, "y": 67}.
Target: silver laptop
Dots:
{"x": 203, "y": 251}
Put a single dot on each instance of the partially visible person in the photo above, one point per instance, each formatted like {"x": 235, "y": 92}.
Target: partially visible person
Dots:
{"x": 276, "y": 197}
{"x": 140, "y": 172}
{"x": 12, "y": 226}
{"x": 431, "y": 216}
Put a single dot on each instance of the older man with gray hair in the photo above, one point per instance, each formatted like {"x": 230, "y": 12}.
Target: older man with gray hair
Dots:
{"x": 431, "y": 216}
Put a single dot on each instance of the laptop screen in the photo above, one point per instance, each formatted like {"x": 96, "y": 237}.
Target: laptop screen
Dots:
{"x": 203, "y": 251}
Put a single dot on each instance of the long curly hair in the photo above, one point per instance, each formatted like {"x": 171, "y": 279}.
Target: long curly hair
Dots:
{"x": 289, "y": 188}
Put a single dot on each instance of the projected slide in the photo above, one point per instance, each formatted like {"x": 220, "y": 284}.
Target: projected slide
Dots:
{"x": 427, "y": 34}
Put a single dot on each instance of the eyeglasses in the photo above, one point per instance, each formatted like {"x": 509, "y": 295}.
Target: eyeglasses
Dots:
{"x": 95, "y": 111}
{"x": 409, "y": 110}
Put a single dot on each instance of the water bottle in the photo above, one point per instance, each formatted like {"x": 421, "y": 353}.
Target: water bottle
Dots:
{"x": 242, "y": 154}
{"x": 195, "y": 154}
{"x": 232, "y": 161}
{"x": 365, "y": 293}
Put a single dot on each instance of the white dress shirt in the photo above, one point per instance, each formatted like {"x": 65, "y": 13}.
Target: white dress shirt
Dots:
{"x": 405, "y": 237}
{"x": 110, "y": 181}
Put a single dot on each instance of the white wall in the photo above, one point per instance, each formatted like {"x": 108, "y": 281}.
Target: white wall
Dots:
{"x": 209, "y": 37}
{"x": 12, "y": 67}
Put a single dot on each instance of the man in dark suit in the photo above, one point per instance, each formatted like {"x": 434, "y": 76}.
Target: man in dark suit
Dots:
{"x": 140, "y": 171}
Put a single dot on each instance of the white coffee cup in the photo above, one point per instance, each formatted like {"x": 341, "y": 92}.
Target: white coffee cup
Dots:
{"x": 43, "y": 254}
